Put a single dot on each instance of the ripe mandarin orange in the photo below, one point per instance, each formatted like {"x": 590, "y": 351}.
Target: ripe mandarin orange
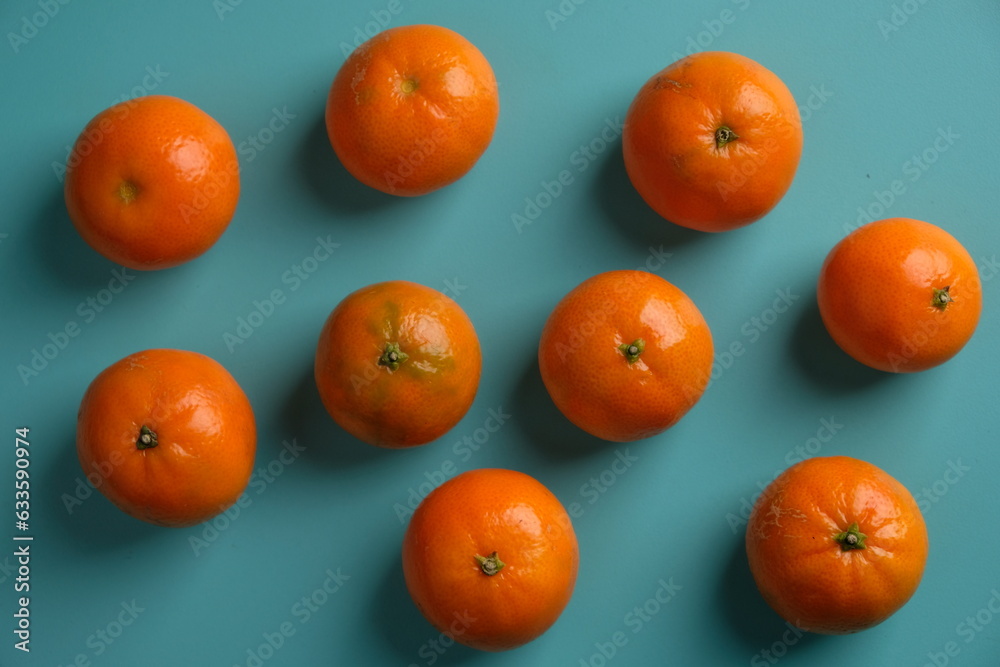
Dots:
{"x": 900, "y": 295}
{"x": 625, "y": 355}
{"x": 713, "y": 141}
{"x": 412, "y": 109}
{"x": 169, "y": 434}
{"x": 490, "y": 558}
{"x": 836, "y": 545}
{"x": 397, "y": 364}
{"x": 152, "y": 182}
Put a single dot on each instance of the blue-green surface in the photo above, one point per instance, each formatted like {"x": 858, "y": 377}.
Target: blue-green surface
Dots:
{"x": 904, "y": 91}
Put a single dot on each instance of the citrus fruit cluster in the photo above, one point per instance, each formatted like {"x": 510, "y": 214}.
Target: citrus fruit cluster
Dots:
{"x": 712, "y": 142}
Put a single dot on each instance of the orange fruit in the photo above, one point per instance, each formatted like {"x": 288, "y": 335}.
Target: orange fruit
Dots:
{"x": 625, "y": 355}
{"x": 170, "y": 435}
{"x": 490, "y": 558}
{"x": 900, "y": 295}
{"x": 412, "y": 109}
{"x": 397, "y": 364}
{"x": 152, "y": 182}
{"x": 836, "y": 545}
{"x": 712, "y": 142}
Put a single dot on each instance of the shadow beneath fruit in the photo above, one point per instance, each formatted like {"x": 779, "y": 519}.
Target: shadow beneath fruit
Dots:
{"x": 546, "y": 427}
{"x": 329, "y": 181}
{"x": 820, "y": 358}
{"x": 62, "y": 251}
{"x": 750, "y": 618}
{"x": 627, "y": 212}
{"x": 92, "y": 525}
{"x": 406, "y": 631}
{"x": 402, "y": 626}
{"x": 325, "y": 442}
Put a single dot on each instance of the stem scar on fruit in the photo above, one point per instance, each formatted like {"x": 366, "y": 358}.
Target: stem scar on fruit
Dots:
{"x": 723, "y": 135}
{"x": 632, "y": 350}
{"x": 851, "y": 539}
{"x": 942, "y": 297}
{"x": 146, "y": 439}
{"x": 128, "y": 191}
{"x": 491, "y": 564}
{"x": 392, "y": 356}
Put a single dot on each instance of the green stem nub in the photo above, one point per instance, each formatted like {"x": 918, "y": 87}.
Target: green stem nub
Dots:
{"x": 632, "y": 350}
{"x": 392, "y": 356}
{"x": 146, "y": 439}
{"x": 942, "y": 297}
{"x": 851, "y": 539}
{"x": 724, "y": 135}
{"x": 491, "y": 564}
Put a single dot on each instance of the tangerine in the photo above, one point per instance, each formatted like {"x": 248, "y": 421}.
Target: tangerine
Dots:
{"x": 170, "y": 435}
{"x": 712, "y": 142}
{"x": 900, "y": 295}
{"x": 397, "y": 364}
{"x": 625, "y": 355}
{"x": 490, "y": 558}
{"x": 152, "y": 182}
{"x": 412, "y": 109}
{"x": 836, "y": 545}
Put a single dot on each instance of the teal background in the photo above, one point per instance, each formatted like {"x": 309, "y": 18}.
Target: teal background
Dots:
{"x": 877, "y": 82}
